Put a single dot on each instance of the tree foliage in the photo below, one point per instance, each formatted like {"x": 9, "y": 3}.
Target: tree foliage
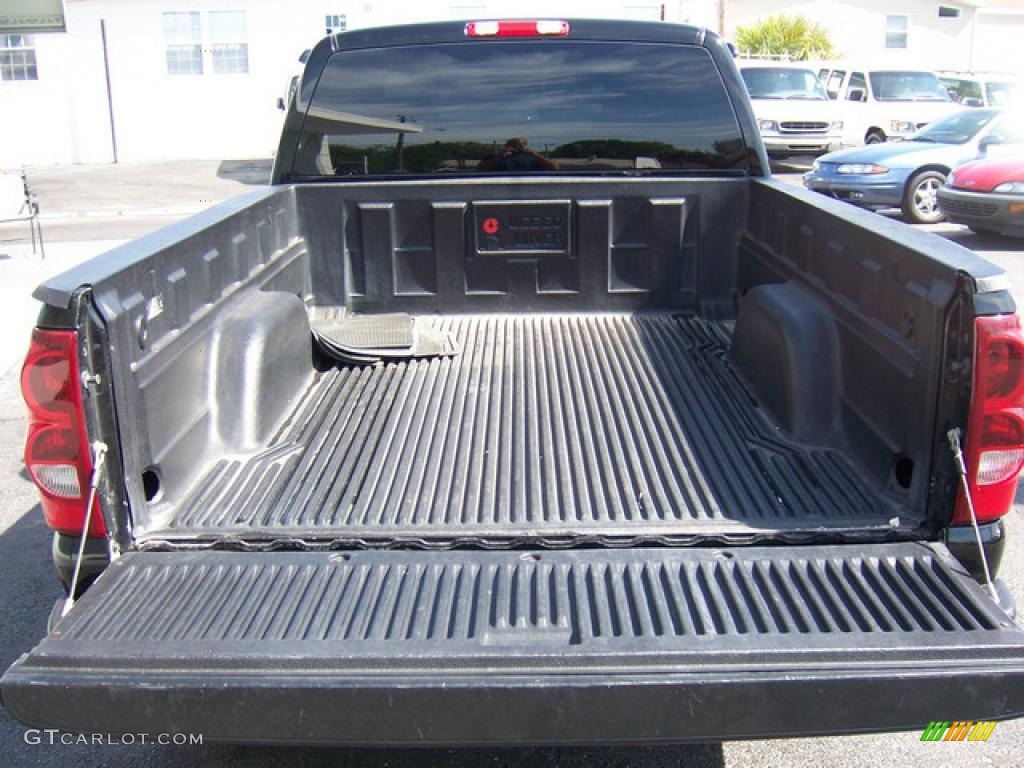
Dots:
{"x": 793, "y": 37}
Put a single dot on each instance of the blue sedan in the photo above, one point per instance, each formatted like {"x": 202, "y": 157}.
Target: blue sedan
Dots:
{"x": 908, "y": 174}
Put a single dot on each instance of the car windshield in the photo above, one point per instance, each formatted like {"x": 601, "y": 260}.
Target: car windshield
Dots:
{"x": 520, "y": 107}
{"x": 962, "y": 89}
{"x": 908, "y": 86}
{"x": 956, "y": 129}
{"x": 783, "y": 83}
{"x": 1002, "y": 94}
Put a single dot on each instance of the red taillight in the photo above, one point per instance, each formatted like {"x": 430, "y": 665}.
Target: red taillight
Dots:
{"x": 519, "y": 28}
{"x": 1004, "y": 357}
{"x": 994, "y": 452}
{"x": 57, "y": 449}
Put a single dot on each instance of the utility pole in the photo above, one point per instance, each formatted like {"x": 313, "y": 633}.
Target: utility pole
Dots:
{"x": 110, "y": 97}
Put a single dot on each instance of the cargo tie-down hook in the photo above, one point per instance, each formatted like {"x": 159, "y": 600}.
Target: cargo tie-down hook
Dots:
{"x": 99, "y": 453}
{"x": 961, "y": 467}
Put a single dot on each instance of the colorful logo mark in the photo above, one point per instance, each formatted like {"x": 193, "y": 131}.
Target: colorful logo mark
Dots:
{"x": 959, "y": 730}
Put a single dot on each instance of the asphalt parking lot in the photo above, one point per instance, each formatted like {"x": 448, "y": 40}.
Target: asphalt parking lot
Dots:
{"x": 89, "y": 209}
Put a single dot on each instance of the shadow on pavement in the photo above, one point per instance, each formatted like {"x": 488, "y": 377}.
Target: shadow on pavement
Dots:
{"x": 983, "y": 241}
{"x": 254, "y": 172}
{"x": 30, "y": 584}
{"x": 695, "y": 756}
{"x": 29, "y": 590}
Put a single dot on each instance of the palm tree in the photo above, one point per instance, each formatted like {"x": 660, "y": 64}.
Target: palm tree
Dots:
{"x": 791, "y": 37}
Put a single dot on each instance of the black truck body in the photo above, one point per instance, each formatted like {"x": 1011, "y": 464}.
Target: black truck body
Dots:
{"x": 686, "y": 476}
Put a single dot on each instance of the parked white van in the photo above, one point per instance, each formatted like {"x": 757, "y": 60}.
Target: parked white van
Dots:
{"x": 983, "y": 89}
{"x": 881, "y": 103}
{"x": 794, "y": 114}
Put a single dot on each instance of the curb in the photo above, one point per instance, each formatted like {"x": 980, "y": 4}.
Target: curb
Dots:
{"x": 184, "y": 210}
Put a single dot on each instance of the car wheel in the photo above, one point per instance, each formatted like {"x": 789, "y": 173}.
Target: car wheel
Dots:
{"x": 921, "y": 198}
{"x": 874, "y": 137}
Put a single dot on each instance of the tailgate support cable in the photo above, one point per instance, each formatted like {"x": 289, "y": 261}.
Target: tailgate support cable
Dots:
{"x": 961, "y": 468}
{"x": 99, "y": 453}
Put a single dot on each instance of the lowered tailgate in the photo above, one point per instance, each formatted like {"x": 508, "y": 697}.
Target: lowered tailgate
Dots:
{"x": 413, "y": 647}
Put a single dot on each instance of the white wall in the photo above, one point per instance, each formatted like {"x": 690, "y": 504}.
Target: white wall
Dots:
{"x": 857, "y": 29}
{"x": 61, "y": 117}
{"x": 997, "y": 41}
{"x": 162, "y": 116}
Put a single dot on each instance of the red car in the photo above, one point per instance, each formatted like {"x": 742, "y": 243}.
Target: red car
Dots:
{"x": 986, "y": 195}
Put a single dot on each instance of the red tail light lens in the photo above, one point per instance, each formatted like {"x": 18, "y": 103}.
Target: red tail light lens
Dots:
{"x": 538, "y": 28}
{"x": 57, "y": 448}
{"x": 995, "y": 431}
{"x": 1005, "y": 368}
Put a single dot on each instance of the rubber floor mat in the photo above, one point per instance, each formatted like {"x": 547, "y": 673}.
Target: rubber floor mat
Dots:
{"x": 394, "y": 331}
{"x": 369, "y": 339}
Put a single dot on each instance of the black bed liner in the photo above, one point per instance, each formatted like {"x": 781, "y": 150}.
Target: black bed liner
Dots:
{"x": 638, "y": 645}
{"x": 546, "y": 426}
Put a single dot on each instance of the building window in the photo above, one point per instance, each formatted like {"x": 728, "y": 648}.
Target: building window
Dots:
{"x": 228, "y": 45}
{"x": 227, "y": 49}
{"x": 17, "y": 58}
{"x": 896, "y": 31}
{"x": 948, "y": 12}
{"x": 336, "y": 23}
{"x": 184, "y": 46}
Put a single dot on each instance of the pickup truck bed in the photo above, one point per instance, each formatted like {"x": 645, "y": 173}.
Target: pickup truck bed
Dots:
{"x": 604, "y": 402}
{"x": 607, "y": 391}
{"x": 680, "y": 472}
{"x": 568, "y": 427}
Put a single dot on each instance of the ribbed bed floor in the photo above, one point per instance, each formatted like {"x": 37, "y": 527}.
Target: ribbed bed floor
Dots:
{"x": 563, "y": 427}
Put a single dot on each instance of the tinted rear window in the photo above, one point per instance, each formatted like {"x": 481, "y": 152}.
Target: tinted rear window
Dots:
{"x": 520, "y": 106}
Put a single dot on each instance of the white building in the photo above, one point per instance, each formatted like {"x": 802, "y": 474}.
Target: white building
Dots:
{"x": 930, "y": 34}
{"x": 201, "y": 78}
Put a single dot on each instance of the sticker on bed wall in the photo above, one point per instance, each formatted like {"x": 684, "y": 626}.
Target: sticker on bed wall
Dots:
{"x": 522, "y": 228}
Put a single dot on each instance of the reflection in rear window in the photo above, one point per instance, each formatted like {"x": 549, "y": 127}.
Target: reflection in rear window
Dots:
{"x": 520, "y": 106}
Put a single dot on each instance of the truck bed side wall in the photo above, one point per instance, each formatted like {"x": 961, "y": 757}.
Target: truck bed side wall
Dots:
{"x": 201, "y": 370}
{"x": 888, "y": 290}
